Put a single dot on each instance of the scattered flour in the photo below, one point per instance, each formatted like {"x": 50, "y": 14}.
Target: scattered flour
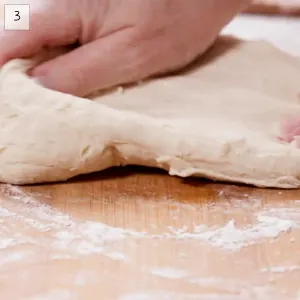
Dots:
{"x": 169, "y": 273}
{"x": 163, "y": 296}
{"x": 55, "y": 295}
{"x": 63, "y": 233}
{"x": 85, "y": 237}
{"x": 282, "y": 269}
{"x": 230, "y": 237}
{"x": 227, "y": 285}
{"x": 258, "y": 293}
{"x": 15, "y": 257}
{"x": 27, "y": 222}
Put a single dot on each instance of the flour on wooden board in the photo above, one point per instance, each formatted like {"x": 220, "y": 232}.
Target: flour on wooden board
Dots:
{"x": 65, "y": 238}
{"x": 55, "y": 295}
{"x": 170, "y": 273}
{"x": 262, "y": 293}
{"x": 268, "y": 224}
{"x": 231, "y": 237}
{"x": 281, "y": 269}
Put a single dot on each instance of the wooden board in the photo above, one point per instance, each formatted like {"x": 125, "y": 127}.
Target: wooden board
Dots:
{"x": 136, "y": 233}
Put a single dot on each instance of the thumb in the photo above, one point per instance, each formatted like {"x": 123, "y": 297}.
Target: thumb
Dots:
{"x": 104, "y": 63}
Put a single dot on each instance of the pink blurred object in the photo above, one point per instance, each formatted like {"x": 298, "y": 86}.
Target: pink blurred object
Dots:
{"x": 290, "y": 130}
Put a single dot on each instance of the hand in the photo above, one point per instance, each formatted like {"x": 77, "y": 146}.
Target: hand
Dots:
{"x": 119, "y": 41}
{"x": 290, "y": 130}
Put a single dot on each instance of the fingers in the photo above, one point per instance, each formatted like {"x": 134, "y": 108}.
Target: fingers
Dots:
{"x": 18, "y": 44}
{"x": 103, "y": 63}
{"x": 290, "y": 128}
{"x": 46, "y": 29}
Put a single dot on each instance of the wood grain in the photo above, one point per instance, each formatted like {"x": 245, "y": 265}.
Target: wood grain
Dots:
{"x": 150, "y": 201}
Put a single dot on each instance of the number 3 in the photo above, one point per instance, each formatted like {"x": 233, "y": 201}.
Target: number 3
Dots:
{"x": 17, "y": 15}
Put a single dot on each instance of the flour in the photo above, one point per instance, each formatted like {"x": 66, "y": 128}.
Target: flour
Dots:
{"x": 259, "y": 293}
{"x": 30, "y": 227}
{"x": 226, "y": 285}
{"x": 292, "y": 214}
{"x": 117, "y": 256}
{"x": 170, "y": 273}
{"x": 8, "y": 242}
{"x": 85, "y": 237}
{"x": 15, "y": 257}
{"x": 230, "y": 237}
{"x": 162, "y": 296}
{"x": 281, "y": 269}
{"x": 57, "y": 294}
{"x": 62, "y": 233}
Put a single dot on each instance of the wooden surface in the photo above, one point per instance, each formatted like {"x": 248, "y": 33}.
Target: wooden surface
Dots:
{"x": 55, "y": 257}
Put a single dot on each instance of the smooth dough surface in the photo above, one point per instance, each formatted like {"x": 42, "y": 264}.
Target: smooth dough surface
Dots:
{"x": 219, "y": 119}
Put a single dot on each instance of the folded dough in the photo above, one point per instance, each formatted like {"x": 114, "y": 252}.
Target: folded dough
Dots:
{"x": 219, "y": 119}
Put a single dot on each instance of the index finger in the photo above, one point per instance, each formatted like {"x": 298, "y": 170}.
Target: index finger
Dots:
{"x": 48, "y": 27}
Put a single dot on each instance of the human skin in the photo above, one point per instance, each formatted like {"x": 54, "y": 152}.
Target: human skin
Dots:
{"x": 119, "y": 41}
{"x": 290, "y": 129}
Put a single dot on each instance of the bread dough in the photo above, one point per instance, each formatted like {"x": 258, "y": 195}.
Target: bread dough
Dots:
{"x": 219, "y": 119}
